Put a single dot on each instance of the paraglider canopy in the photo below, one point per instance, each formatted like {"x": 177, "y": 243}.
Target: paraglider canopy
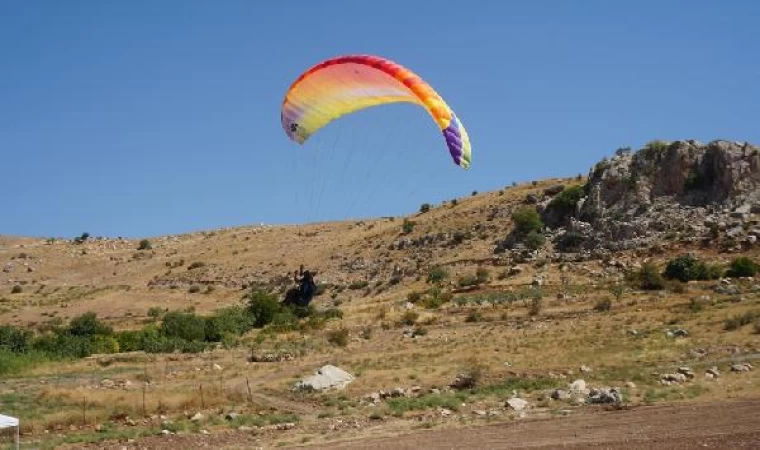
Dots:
{"x": 342, "y": 85}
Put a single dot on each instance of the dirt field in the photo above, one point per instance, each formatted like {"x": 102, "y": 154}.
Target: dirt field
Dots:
{"x": 717, "y": 425}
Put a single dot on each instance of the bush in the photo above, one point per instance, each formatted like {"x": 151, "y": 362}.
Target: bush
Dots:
{"x": 338, "y": 337}
{"x": 474, "y": 316}
{"x": 14, "y": 339}
{"x": 468, "y": 280}
{"x": 414, "y": 297}
{"x": 262, "y": 307}
{"x": 603, "y": 305}
{"x": 88, "y": 325}
{"x": 155, "y": 312}
{"x": 409, "y": 318}
{"x": 184, "y": 326}
{"x": 233, "y": 320}
{"x": 145, "y": 245}
{"x": 437, "y": 275}
{"x": 408, "y": 226}
{"x": 570, "y": 241}
{"x": 196, "y": 265}
{"x": 482, "y": 274}
{"x": 565, "y": 202}
{"x": 742, "y": 267}
{"x": 425, "y": 207}
{"x": 356, "y": 285}
{"x": 194, "y": 289}
{"x": 740, "y": 320}
{"x": 534, "y": 240}
{"x": 649, "y": 278}
{"x": 17, "y": 289}
{"x": 526, "y": 219}
{"x": 687, "y": 268}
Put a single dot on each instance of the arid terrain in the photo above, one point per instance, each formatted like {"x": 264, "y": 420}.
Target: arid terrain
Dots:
{"x": 599, "y": 311}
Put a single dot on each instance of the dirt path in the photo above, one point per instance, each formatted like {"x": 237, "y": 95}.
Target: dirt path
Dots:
{"x": 724, "y": 425}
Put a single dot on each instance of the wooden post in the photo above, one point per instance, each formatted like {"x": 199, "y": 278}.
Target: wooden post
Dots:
{"x": 250, "y": 396}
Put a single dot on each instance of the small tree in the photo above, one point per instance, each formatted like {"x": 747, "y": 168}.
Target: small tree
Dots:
{"x": 408, "y": 226}
{"x": 145, "y": 245}
{"x": 742, "y": 267}
{"x": 526, "y": 219}
{"x": 649, "y": 277}
{"x": 437, "y": 275}
{"x": 262, "y": 307}
{"x": 425, "y": 207}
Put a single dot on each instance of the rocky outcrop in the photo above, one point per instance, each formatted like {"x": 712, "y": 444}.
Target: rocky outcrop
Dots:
{"x": 684, "y": 190}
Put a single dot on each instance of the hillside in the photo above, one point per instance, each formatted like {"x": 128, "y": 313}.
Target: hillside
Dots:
{"x": 521, "y": 310}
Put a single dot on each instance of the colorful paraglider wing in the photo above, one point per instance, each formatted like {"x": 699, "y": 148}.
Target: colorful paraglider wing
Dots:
{"x": 343, "y": 85}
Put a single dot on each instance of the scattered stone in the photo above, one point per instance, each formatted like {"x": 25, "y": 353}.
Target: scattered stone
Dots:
{"x": 686, "y": 372}
{"x": 245, "y": 428}
{"x": 197, "y": 417}
{"x": 204, "y": 432}
{"x": 166, "y": 432}
{"x": 554, "y": 189}
{"x": 398, "y": 392}
{"x": 479, "y": 412}
{"x": 585, "y": 369}
{"x": 463, "y": 381}
{"x": 630, "y": 385}
{"x": 741, "y": 367}
{"x": 672, "y": 378}
{"x": 216, "y": 367}
{"x": 445, "y": 412}
{"x": 600, "y": 396}
{"x": 327, "y": 377}
{"x": 232, "y": 416}
{"x": 517, "y": 404}
{"x": 130, "y": 422}
{"x": 107, "y": 384}
{"x": 559, "y": 394}
{"x": 679, "y": 332}
{"x": 98, "y": 428}
{"x": 578, "y": 388}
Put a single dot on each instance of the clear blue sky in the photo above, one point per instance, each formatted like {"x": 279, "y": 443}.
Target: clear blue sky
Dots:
{"x": 142, "y": 118}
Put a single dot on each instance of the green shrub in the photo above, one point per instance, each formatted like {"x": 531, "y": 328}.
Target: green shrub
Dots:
{"x": 88, "y": 325}
{"x": 527, "y": 219}
{"x": 145, "y": 245}
{"x": 17, "y": 289}
{"x": 425, "y": 207}
{"x": 233, "y": 320}
{"x": 408, "y": 226}
{"x": 570, "y": 241}
{"x": 649, "y": 278}
{"x": 437, "y": 275}
{"x": 262, "y": 307}
{"x": 565, "y": 202}
{"x": 194, "y": 289}
{"x": 687, "y": 268}
{"x": 14, "y": 339}
{"x": 742, "y": 267}
{"x": 534, "y": 240}
{"x": 468, "y": 280}
{"x": 482, "y": 274}
{"x": 474, "y": 316}
{"x": 184, "y": 326}
{"x": 155, "y": 312}
{"x": 129, "y": 340}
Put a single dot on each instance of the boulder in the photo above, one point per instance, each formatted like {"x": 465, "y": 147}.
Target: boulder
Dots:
{"x": 327, "y": 377}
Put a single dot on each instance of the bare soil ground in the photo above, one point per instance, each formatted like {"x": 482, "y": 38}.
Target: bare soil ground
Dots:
{"x": 733, "y": 424}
